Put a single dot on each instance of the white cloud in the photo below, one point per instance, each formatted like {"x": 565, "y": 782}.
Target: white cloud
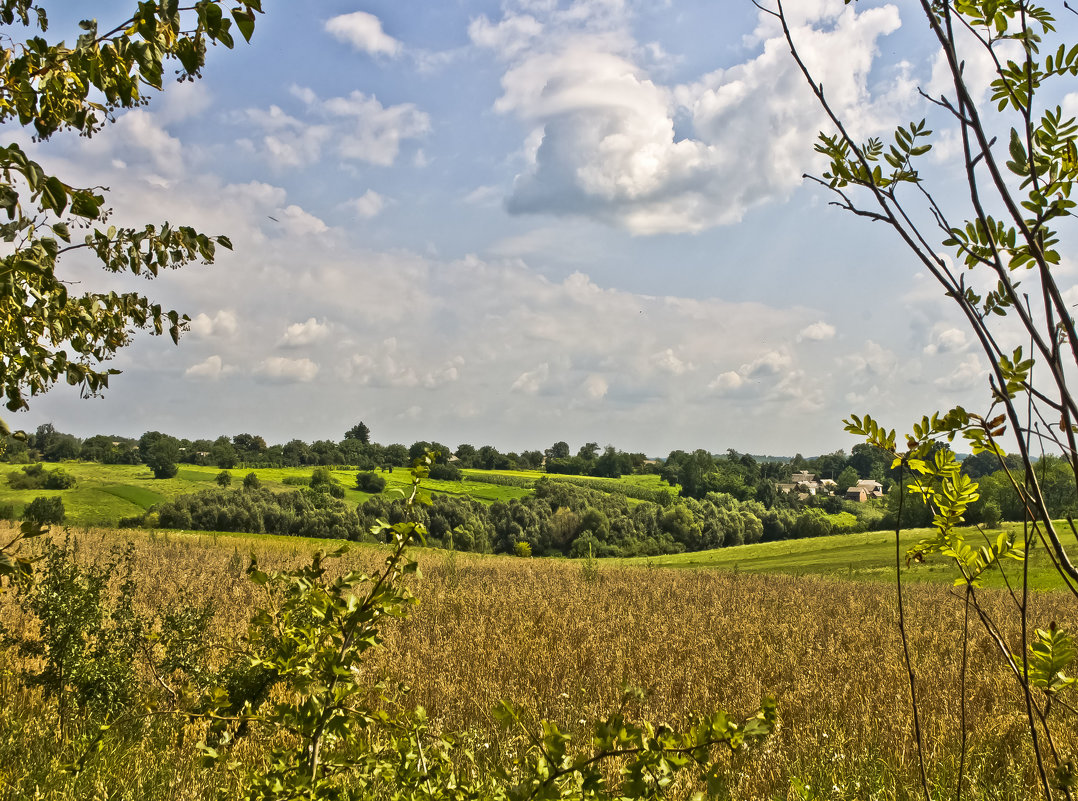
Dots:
{"x": 210, "y": 369}
{"x": 968, "y": 374}
{"x": 279, "y": 369}
{"x": 223, "y": 324}
{"x": 669, "y": 362}
{"x": 608, "y": 148}
{"x": 727, "y": 382}
{"x": 531, "y": 382}
{"x": 595, "y": 387}
{"x": 367, "y": 205}
{"x": 300, "y": 335}
{"x": 297, "y": 222}
{"x": 356, "y": 128}
{"x": 947, "y": 340}
{"x": 364, "y": 32}
{"x": 771, "y": 363}
{"x": 817, "y": 332}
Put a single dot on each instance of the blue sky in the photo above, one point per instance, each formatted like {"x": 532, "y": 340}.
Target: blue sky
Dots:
{"x": 521, "y": 222}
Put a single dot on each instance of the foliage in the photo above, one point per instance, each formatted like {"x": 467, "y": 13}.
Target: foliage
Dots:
{"x": 35, "y": 476}
{"x": 87, "y": 640}
{"x": 251, "y": 481}
{"x": 50, "y": 333}
{"x": 224, "y": 479}
{"x": 44, "y": 510}
{"x": 1019, "y": 195}
{"x": 367, "y": 481}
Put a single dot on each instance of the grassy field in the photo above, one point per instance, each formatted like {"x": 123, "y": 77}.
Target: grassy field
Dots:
{"x": 867, "y": 556}
{"x": 561, "y": 642}
{"x": 106, "y": 493}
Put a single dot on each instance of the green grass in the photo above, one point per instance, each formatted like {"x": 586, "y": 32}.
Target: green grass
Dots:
{"x": 869, "y": 556}
{"x": 106, "y": 493}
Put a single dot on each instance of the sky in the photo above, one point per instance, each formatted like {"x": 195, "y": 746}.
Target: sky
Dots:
{"x": 522, "y": 222}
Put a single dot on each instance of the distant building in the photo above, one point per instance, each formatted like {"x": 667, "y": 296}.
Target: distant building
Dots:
{"x": 858, "y": 493}
{"x": 873, "y": 489}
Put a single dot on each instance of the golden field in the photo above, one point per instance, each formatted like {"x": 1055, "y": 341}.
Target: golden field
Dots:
{"x": 562, "y": 642}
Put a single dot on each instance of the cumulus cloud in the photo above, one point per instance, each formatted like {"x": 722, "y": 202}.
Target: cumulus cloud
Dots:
{"x": 531, "y": 381}
{"x": 211, "y": 369}
{"x": 300, "y": 335}
{"x": 364, "y": 32}
{"x": 281, "y": 370}
{"x": 223, "y": 324}
{"x": 817, "y": 332}
{"x": 947, "y": 340}
{"x": 605, "y": 143}
{"x": 356, "y": 127}
{"x": 669, "y": 362}
{"x": 367, "y": 205}
{"x": 727, "y": 382}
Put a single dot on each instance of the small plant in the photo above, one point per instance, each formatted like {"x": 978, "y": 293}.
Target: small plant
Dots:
{"x": 589, "y": 570}
{"x": 224, "y": 479}
{"x": 88, "y": 632}
{"x": 522, "y": 549}
{"x": 44, "y": 510}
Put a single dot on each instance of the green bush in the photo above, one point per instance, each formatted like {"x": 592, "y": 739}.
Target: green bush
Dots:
{"x": 446, "y": 472}
{"x": 251, "y": 481}
{"x": 224, "y": 479}
{"x": 35, "y": 476}
{"x": 370, "y": 482}
{"x": 44, "y": 510}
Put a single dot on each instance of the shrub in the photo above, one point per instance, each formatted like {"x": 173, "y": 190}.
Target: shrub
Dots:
{"x": 446, "y": 472}
{"x": 251, "y": 482}
{"x": 370, "y": 482}
{"x": 522, "y": 549}
{"x": 35, "y": 476}
{"x": 7, "y": 511}
{"x": 296, "y": 481}
{"x": 224, "y": 479}
{"x": 44, "y": 510}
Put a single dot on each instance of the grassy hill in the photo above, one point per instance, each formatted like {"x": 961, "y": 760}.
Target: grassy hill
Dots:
{"x": 868, "y": 556}
{"x": 106, "y": 493}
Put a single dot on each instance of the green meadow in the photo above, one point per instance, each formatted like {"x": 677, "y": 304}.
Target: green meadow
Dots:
{"x": 106, "y": 493}
{"x": 868, "y": 556}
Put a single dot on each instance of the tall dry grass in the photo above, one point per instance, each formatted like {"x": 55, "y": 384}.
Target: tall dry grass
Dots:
{"x": 562, "y": 643}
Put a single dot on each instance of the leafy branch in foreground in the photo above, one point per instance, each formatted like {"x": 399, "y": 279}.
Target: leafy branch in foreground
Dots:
{"x": 47, "y": 332}
{"x": 300, "y": 676}
{"x": 1002, "y": 230}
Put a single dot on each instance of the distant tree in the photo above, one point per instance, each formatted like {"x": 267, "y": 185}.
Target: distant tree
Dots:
{"x": 249, "y": 447}
{"x": 531, "y": 460}
{"x": 224, "y": 479}
{"x": 43, "y": 510}
{"x": 445, "y": 472}
{"x": 397, "y": 455}
{"x": 296, "y": 452}
{"x": 159, "y": 452}
{"x": 846, "y": 479}
{"x": 360, "y": 432}
{"x": 325, "y": 452}
{"x": 589, "y": 451}
{"x": 830, "y": 465}
{"x": 251, "y": 481}
{"x": 559, "y": 450}
{"x": 417, "y": 450}
{"x": 223, "y": 453}
{"x": 466, "y": 454}
{"x": 612, "y": 464}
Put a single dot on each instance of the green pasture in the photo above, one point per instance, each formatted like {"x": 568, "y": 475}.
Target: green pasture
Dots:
{"x": 869, "y": 556}
{"x": 106, "y": 493}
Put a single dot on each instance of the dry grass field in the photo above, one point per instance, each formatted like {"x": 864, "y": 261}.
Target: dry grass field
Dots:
{"x": 562, "y": 642}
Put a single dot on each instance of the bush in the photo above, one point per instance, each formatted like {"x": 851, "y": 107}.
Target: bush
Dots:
{"x": 370, "y": 482}
{"x": 251, "y": 482}
{"x": 7, "y": 511}
{"x": 296, "y": 481}
{"x": 35, "y": 476}
{"x": 446, "y": 472}
{"x": 224, "y": 479}
{"x": 44, "y": 510}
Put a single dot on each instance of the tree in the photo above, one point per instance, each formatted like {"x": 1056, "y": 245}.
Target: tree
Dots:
{"x": 251, "y": 481}
{"x": 223, "y": 453}
{"x": 224, "y": 479}
{"x": 359, "y": 431}
{"x": 48, "y": 332}
{"x": 159, "y": 452}
{"x": 1004, "y": 232}
{"x": 559, "y": 450}
{"x": 846, "y": 479}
